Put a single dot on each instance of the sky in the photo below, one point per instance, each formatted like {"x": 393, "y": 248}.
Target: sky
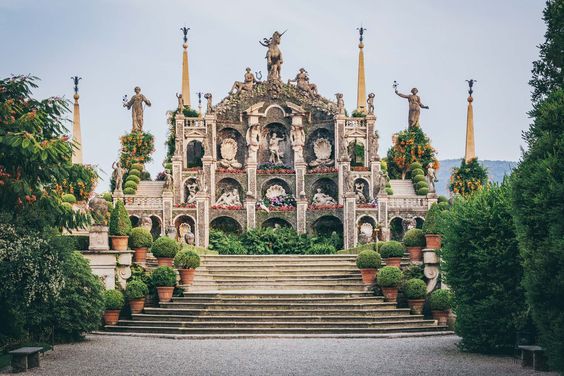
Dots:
{"x": 434, "y": 45}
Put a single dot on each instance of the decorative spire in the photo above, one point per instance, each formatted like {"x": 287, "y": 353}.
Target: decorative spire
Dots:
{"x": 185, "y": 70}
{"x": 361, "y": 88}
{"x": 470, "y": 150}
{"x": 76, "y": 133}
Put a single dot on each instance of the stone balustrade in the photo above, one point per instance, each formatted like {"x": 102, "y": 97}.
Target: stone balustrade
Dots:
{"x": 143, "y": 203}
{"x": 191, "y": 122}
{"x": 355, "y": 122}
{"x": 417, "y": 203}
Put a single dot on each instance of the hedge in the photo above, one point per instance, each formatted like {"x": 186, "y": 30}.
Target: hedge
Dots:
{"x": 321, "y": 249}
{"x": 422, "y": 191}
{"x": 418, "y": 178}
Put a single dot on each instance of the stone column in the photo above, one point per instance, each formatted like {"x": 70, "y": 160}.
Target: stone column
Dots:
{"x": 202, "y": 220}
{"x": 301, "y": 215}
{"x": 252, "y": 180}
{"x": 251, "y": 213}
{"x": 383, "y": 215}
{"x": 177, "y": 178}
{"x": 370, "y": 153}
{"x": 374, "y": 173}
{"x": 167, "y": 209}
{"x": 349, "y": 220}
{"x": 300, "y": 179}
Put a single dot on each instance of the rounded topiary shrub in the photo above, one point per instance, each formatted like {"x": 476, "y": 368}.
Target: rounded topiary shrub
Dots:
{"x": 168, "y": 166}
{"x": 417, "y": 171}
{"x": 163, "y": 276}
{"x": 418, "y": 178}
{"x": 129, "y": 191}
{"x": 414, "y": 238}
{"x": 440, "y": 300}
{"x": 444, "y": 205}
{"x": 415, "y": 166}
{"x": 68, "y": 197}
{"x": 431, "y": 226}
{"x": 379, "y": 247}
{"x": 422, "y": 191}
{"x": 136, "y": 289}
{"x": 165, "y": 247}
{"x": 140, "y": 238}
{"x": 137, "y": 166}
{"x": 389, "y": 276}
{"x": 321, "y": 249}
{"x": 442, "y": 198}
{"x": 107, "y": 196}
{"x": 134, "y": 172}
{"x": 392, "y": 249}
{"x": 133, "y": 178}
{"x": 389, "y": 191}
{"x": 187, "y": 259}
{"x": 415, "y": 288}
{"x": 130, "y": 184}
{"x": 120, "y": 224}
{"x": 113, "y": 299}
{"x": 421, "y": 184}
{"x": 368, "y": 260}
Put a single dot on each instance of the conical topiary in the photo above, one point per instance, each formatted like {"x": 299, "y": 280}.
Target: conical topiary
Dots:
{"x": 120, "y": 224}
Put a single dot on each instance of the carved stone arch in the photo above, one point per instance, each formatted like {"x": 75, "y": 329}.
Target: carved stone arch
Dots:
{"x": 356, "y": 148}
{"x": 275, "y": 111}
{"x": 396, "y": 228}
{"x": 226, "y": 133}
{"x": 326, "y": 225}
{"x": 281, "y": 130}
{"x": 276, "y": 181}
{"x": 226, "y": 224}
{"x": 194, "y": 154}
{"x": 275, "y": 222}
{"x": 327, "y": 186}
{"x": 192, "y": 178}
{"x": 365, "y": 189}
{"x": 185, "y": 218}
{"x": 419, "y": 220}
{"x": 157, "y": 228}
{"x": 135, "y": 220}
{"x": 367, "y": 229}
{"x": 228, "y": 184}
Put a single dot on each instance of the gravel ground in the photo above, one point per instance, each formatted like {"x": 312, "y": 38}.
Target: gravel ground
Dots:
{"x": 117, "y": 355}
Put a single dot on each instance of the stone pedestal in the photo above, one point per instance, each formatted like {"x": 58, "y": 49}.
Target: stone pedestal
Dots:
{"x": 251, "y": 213}
{"x": 349, "y": 222}
{"x": 252, "y": 180}
{"x": 301, "y": 216}
{"x": 98, "y": 236}
{"x": 167, "y": 209}
{"x": 300, "y": 179}
{"x": 431, "y": 261}
{"x": 111, "y": 266}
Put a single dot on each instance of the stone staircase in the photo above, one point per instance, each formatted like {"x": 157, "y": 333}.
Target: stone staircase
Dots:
{"x": 149, "y": 188}
{"x": 402, "y": 187}
{"x": 276, "y": 295}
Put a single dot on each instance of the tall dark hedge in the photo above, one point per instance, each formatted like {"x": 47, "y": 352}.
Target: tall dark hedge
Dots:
{"x": 483, "y": 268}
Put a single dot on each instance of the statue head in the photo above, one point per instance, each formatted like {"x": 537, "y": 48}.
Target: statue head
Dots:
{"x": 371, "y": 95}
{"x": 414, "y": 91}
{"x": 318, "y": 190}
{"x": 248, "y": 70}
{"x": 137, "y": 89}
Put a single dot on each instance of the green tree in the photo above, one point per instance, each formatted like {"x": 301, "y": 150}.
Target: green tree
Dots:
{"x": 468, "y": 178}
{"x": 483, "y": 268}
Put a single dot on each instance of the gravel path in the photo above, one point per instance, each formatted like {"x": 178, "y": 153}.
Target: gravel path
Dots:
{"x": 117, "y": 355}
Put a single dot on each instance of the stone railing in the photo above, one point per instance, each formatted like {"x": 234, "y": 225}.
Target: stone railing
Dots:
{"x": 407, "y": 203}
{"x": 355, "y": 122}
{"x": 191, "y": 122}
{"x": 141, "y": 202}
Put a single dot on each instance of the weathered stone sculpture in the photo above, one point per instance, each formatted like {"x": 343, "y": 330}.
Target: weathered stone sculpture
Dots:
{"x": 374, "y": 146}
{"x": 302, "y": 83}
{"x": 168, "y": 181}
{"x": 146, "y": 223}
{"x": 348, "y": 180}
{"x": 247, "y": 85}
{"x": 322, "y": 150}
{"x": 180, "y": 103}
{"x": 185, "y": 234}
{"x": 340, "y": 104}
{"x": 415, "y": 106}
{"x": 359, "y": 192}
{"x": 273, "y": 56}
{"x": 253, "y": 141}
{"x": 365, "y": 233}
{"x": 209, "y": 108}
{"x": 98, "y": 210}
{"x": 274, "y": 148}
{"x": 228, "y": 151}
{"x": 370, "y": 102}
{"x": 229, "y": 198}
{"x": 135, "y": 104}
{"x": 190, "y": 190}
{"x": 118, "y": 176}
{"x": 321, "y": 198}
{"x": 297, "y": 136}
{"x": 431, "y": 178}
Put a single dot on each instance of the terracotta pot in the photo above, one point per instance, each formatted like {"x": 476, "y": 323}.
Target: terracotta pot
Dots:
{"x": 393, "y": 261}
{"x": 433, "y": 241}
{"x": 441, "y": 317}
{"x": 119, "y": 243}
{"x": 368, "y": 276}
{"x": 164, "y": 261}
{"x": 416, "y": 305}
{"x": 111, "y": 316}
{"x": 165, "y": 293}
{"x": 140, "y": 256}
{"x": 187, "y": 275}
{"x": 415, "y": 254}
{"x": 390, "y": 293}
{"x": 137, "y": 305}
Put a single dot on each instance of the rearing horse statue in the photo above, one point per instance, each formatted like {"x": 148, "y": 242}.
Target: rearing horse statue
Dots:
{"x": 273, "y": 55}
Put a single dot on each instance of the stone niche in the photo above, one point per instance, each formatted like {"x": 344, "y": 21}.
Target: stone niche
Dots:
{"x": 365, "y": 190}
{"x": 309, "y": 152}
{"x": 228, "y": 185}
{"x": 285, "y": 145}
{"x": 233, "y": 134}
{"x": 327, "y": 186}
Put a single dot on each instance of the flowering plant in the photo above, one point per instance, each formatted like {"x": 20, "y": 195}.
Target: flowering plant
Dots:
{"x": 360, "y": 168}
{"x": 230, "y": 171}
{"x": 228, "y": 207}
{"x": 324, "y": 207}
{"x": 411, "y": 146}
{"x": 272, "y": 168}
{"x": 367, "y": 205}
{"x": 468, "y": 178}
{"x": 323, "y": 170}
{"x": 136, "y": 147}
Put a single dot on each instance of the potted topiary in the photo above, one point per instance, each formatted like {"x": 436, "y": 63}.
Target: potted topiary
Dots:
{"x": 186, "y": 261}
{"x": 120, "y": 227}
{"x": 392, "y": 252}
{"x": 389, "y": 279}
{"x": 430, "y": 227}
{"x": 440, "y": 302}
{"x": 415, "y": 290}
{"x": 164, "y": 279}
{"x": 368, "y": 262}
{"x": 140, "y": 240}
{"x": 135, "y": 292}
{"x": 113, "y": 301}
{"x": 164, "y": 249}
{"x": 414, "y": 240}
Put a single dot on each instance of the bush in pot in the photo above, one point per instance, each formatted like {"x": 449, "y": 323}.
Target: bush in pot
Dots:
{"x": 389, "y": 279}
{"x": 414, "y": 240}
{"x": 164, "y": 279}
{"x": 140, "y": 240}
{"x": 135, "y": 292}
{"x": 368, "y": 262}
{"x": 440, "y": 302}
{"x": 186, "y": 261}
{"x": 430, "y": 227}
{"x": 113, "y": 302}
{"x": 392, "y": 252}
{"x": 120, "y": 227}
{"x": 415, "y": 290}
{"x": 164, "y": 249}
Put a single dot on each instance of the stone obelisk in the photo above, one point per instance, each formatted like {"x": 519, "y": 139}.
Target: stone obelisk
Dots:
{"x": 76, "y": 132}
{"x": 361, "y": 87}
{"x": 185, "y": 70}
{"x": 470, "y": 150}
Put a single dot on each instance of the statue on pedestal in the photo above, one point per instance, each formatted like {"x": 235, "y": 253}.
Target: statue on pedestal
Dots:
{"x": 302, "y": 83}
{"x": 359, "y": 192}
{"x": 340, "y": 104}
{"x": 431, "y": 178}
{"x": 415, "y": 106}
{"x": 253, "y": 140}
{"x": 135, "y": 104}
{"x": 274, "y": 148}
{"x": 297, "y": 136}
{"x": 168, "y": 181}
{"x": 374, "y": 146}
{"x": 247, "y": 85}
{"x": 370, "y": 102}
{"x": 273, "y": 56}
{"x": 209, "y": 108}
{"x": 180, "y": 103}
{"x": 118, "y": 176}
{"x": 185, "y": 234}
{"x": 321, "y": 198}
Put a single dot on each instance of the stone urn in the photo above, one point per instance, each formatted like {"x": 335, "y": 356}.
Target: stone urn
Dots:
{"x": 416, "y": 305}
{"x": 137, "y": 305}
{"x": 119, "y": 243}
{"x": 165, "y": 293}
{"x": 390, "y": 293}
{"x": 368, "y": 276}
{"x": 111, "y": 316}
{"x": 441, "y": 317}
{"x": 187, "y": 275}
{"x": 393, "y": 261}
{"x": 140, "y": 255}
{"x": 415, "y": 254}
{"x": 433, "y": 241}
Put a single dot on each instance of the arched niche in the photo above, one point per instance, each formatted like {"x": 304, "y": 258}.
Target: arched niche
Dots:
{"x": 156, "y": 226}
{"x": 309, "y": 152}
{"x": 194, "y": 154}
{"x": 361, "y": 186}
{"x": 227, "y": 225}
{"x": 327, "y": 186}
{"x": 419, "y": 222}
{"x": 227, "y": 185}
{"x": 275, "y": 223}
{"x": 326, "y": 225}
{"x": 276, "y": 181}
{"x": 356, "y": 152}
{"x": 396, "y": 228}
{"x": 284, "y": 145}
{"x": 367, "y": 229}
{"x": 135, "y": 220}
{"x": 230, "y": 133}
{"x": 186, "y": 185}
{"x": 181, "y": 219}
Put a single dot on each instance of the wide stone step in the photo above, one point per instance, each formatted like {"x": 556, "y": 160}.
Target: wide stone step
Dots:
{"x": 223, "y": 278}
{"x": 276, "y": 312}
{"x": 392, "y": 315}
{"x": 271, "y": 258}
{"x": 278, "y": 271}
{"x": 277, "y": 306}
{"x": 288, "y": 264}
{"x": 279, "y": 295}
{"x": 280, "y": 300}
{"x": 214, "y": 286}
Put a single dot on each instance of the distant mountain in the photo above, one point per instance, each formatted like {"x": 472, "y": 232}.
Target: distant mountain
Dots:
{"x": 496, "y": 171}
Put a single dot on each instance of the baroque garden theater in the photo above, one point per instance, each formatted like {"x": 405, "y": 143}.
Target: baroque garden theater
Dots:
{"x": 274, "y": 153}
